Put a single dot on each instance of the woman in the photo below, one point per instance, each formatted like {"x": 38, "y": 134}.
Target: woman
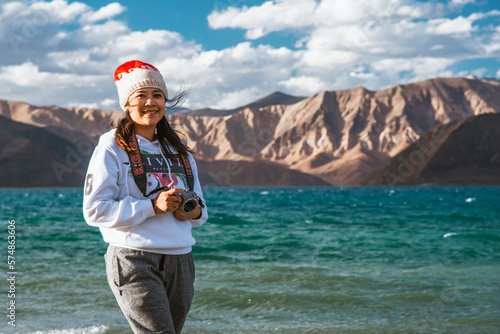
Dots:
{"x": 133, "y": 193}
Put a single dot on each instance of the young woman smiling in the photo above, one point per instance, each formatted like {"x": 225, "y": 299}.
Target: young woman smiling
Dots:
{"x": 134, "y": 191}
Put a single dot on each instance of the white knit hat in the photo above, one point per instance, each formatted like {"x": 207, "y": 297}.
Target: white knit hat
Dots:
{"x": 134, "y": 75}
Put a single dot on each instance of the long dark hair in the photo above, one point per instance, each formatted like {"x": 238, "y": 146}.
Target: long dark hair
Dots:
{"x": 166, "y": 134}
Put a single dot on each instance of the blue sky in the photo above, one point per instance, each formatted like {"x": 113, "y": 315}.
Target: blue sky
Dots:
{"x": 231, "y": 52}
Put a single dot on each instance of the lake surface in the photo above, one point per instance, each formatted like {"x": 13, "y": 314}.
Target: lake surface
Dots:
{"x": 276, "y": 260}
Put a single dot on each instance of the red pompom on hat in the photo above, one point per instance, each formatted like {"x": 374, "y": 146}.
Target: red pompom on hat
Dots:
{"x": 134, "y": 75}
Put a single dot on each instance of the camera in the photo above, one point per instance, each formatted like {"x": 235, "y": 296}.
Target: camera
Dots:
{"x": 189, "y": 201}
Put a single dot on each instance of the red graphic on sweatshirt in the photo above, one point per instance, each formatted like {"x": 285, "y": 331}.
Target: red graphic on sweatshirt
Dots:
{"x": 160, "y": 180}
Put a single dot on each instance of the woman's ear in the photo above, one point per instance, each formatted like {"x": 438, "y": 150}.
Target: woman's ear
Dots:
{"x": 126, "y": 107}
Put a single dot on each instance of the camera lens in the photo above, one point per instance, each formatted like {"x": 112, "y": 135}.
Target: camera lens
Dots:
{"x": 189, "y": 205}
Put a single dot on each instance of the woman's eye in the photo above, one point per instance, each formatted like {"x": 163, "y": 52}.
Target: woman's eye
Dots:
{"x": 158, "y": 96}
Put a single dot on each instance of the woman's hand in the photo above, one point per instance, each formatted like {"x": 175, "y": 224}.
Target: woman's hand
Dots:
{"x": 167, "y": 200}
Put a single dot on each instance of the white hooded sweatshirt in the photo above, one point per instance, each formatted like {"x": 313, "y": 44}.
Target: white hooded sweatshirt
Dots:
{"x": 126, "y": 218}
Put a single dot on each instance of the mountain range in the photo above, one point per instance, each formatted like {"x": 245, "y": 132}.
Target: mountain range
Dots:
{"x": 345, "y": 137}
{"x": 464, "y": 152}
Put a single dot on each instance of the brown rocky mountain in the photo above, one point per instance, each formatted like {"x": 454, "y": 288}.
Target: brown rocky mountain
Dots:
{"x": 91, "y": 122}
{"x": 333, "y": 137}
{"x": 70, "y": 134}
{"x": 37, "y": 157}
{"x": 464, "y": 152}
{"x": 339, "y": 136}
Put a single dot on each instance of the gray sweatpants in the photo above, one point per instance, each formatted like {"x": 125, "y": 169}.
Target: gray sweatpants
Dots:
{"x": 154, "y": 291}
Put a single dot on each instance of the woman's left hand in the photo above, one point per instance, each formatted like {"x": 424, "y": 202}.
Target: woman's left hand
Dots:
{"x": 182, "y": 216}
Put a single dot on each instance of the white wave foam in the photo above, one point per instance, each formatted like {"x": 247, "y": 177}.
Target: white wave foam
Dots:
{"x": 470, "y": 199}
{"x": 449, "y": 234}
{"x": 87, "y": 330}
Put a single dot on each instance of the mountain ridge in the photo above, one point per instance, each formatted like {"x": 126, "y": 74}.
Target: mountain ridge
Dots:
{"x": 445, "y": 155}
{"x": 38, "y": 157}
{"x": 276, "y": 98}
{"x": 333, "y": 137}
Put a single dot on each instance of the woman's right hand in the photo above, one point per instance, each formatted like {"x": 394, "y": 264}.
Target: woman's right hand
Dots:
{"x": 167, "y": 200}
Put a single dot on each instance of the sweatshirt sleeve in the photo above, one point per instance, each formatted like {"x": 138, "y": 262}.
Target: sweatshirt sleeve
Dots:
{"x": 103, "y": 205}
{"x": 197, "y": 189}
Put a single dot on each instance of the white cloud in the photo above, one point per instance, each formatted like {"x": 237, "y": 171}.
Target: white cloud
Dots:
{"x": 78, "y": 65}
{"x": 479, "y": 72}
{"x": 419, "y": 39}
{"x": 238, "y": 97}
{"x": 42, "y": 13}
{"x": 104, "y": 13}
{"x": 327, "y": 59}
{"x": 268, "y": 17}
{"x": 339, "y": 45}
{"x": 83, "y": 105}
{"x": 304, "y": 86}
{"x": 279, "y": 15}
{"x": 22, "y": 75}
{"x": 461, "y": 2}
{"x": 27, "y": 82}
{"x": 28, "y": 75}
{"x": 241, "y": 73}
{"x": 447, "y": 26}
{"x": 422, "y": 67}
{"x": 11, "y": 8}
{"x": 109, "y": 102}
{"x": 362, "y": 75}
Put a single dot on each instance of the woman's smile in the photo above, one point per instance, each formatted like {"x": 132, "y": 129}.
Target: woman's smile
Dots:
{"x": 149, "y": 112}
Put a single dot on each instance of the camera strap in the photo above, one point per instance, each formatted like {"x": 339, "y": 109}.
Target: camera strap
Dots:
{"x": 135, "y": 157}
{"x": 189, "y": 172}
{"x": 139, "y": 172}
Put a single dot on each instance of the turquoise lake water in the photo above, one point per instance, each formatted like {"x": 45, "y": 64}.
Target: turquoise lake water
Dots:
{"x": 276, "y": 260}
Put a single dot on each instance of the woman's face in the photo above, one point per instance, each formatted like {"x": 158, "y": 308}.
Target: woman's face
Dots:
{"x": 146, "y": 106}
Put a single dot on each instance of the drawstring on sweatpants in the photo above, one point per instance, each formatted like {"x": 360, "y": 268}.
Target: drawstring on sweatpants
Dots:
{"x": 162, "y": 262}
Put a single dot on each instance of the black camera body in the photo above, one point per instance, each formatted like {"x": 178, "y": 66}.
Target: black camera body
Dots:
{"x": 189, "y": 201}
